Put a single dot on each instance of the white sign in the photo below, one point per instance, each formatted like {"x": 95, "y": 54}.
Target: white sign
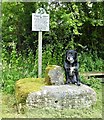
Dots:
{"x": 40, "y": 22}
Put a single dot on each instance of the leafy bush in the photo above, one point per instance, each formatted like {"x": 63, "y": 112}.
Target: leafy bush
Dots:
{"x": 90, "y": 62}
{"x": 16, "y": 66}
{"x": 92, "y": 82}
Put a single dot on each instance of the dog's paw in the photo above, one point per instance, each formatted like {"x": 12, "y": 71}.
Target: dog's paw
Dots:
{"x": 73, "y": 82}
{"x": 78, "y": 84}
{"x": 67, "y": 82}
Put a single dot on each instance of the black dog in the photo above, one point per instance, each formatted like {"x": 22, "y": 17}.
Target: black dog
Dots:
{"x": 71, "y": 67}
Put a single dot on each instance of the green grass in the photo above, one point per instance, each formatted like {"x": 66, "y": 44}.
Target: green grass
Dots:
{"x": 9, "y": 110}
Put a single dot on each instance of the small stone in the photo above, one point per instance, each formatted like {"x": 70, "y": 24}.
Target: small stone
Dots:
{"x": 54, "y": 75}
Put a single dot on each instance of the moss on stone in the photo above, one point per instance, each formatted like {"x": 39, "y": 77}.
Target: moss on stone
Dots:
{"x": 47, "y": 78}
{"x": 24, "y": 86}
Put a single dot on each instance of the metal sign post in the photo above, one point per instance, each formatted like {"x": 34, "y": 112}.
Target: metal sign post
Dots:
{"x": 39, "y": 54}
{"x": 40, "y": 22}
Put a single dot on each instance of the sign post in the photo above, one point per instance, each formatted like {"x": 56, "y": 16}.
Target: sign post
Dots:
{"x": 40, "y": 54}
{"x": 40, "y": 22}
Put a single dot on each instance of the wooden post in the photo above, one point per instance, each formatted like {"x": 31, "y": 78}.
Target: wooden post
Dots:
{"x": 39, "y": 54}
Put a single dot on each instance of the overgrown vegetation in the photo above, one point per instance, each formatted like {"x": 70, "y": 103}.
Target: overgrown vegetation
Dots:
{"x": 77, "y": 26}
{"x": 20, "y": 67}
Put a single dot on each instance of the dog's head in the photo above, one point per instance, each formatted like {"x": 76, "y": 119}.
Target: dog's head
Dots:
{"x": 71, "y": 56}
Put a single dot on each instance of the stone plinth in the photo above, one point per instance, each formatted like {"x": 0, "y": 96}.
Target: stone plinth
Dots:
{"x": 63, "y": 96}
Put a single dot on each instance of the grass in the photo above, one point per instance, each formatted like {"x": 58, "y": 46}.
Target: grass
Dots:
{"x": 9, "y": 110}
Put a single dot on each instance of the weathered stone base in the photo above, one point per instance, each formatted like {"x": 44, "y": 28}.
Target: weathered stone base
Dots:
{"x": 63, "y": 96}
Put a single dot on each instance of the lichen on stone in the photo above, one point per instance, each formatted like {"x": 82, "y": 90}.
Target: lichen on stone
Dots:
{"x": 47, "y": 78}
{"x": 54, "y": 75}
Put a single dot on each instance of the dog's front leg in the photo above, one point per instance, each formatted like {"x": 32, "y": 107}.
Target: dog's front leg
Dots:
{"x": 68, "y": 81}
{"x": 77, "y": 77}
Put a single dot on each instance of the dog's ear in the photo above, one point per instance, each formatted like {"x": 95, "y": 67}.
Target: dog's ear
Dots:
{"x": 66, "y": 54}
{"x": 76, "y": 55}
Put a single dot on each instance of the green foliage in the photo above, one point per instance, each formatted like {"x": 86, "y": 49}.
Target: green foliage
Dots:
{"x": 18, "y": 67}
{"x": 72, "y": 26}
{"x": 90, "y": 62}
{"x": 26, "y": 66}
{"x": 95, "y": 83}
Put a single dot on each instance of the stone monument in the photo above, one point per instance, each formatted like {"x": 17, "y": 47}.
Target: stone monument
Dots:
{"x": 61, "y": 96}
